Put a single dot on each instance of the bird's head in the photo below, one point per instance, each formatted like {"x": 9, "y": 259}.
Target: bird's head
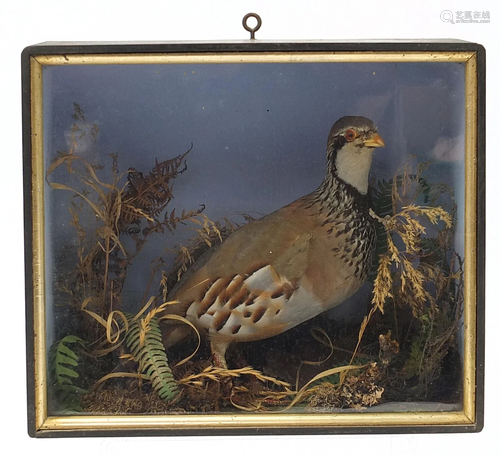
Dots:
{"x": 349, "y": 150}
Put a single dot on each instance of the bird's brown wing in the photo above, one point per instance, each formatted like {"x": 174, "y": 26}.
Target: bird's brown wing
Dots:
{"x": 280, "y": 239}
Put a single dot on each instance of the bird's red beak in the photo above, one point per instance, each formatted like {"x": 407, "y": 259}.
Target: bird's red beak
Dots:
{"x": 375, "y": 141}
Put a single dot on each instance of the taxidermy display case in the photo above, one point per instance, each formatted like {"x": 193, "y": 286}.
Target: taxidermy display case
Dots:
{"x": 254, "y": 237}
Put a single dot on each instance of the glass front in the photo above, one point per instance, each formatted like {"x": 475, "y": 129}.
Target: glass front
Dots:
{"x": 214, "y": 245}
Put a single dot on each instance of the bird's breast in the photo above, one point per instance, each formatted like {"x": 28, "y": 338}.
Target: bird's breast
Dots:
{"x": 342, "y": 252}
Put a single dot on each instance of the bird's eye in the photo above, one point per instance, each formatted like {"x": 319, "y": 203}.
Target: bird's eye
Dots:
{"x": 350, "y": 135}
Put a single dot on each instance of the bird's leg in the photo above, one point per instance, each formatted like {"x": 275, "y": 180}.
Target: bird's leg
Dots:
{"x": 224, "y": 386}
{"x": 219, "y": 353}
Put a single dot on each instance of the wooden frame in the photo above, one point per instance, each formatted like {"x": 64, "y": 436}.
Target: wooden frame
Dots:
{"x": 36, "y": 58}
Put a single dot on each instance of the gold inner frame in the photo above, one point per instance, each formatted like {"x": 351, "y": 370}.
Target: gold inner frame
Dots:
{"x": 43, "y": 422}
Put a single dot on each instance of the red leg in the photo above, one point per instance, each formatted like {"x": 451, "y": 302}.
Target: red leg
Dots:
{"x": 219, "y": 353}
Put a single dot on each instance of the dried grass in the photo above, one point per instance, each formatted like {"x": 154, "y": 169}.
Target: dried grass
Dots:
{"x": 102, "y": 213}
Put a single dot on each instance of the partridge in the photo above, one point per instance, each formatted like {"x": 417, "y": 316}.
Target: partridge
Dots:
{"x": 293, "y": 264}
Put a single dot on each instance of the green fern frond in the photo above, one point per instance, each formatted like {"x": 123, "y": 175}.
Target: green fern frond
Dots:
{"x": 145, "y": 343}
{"x": 63, "y": 362}
{"x": 382, "y": 197}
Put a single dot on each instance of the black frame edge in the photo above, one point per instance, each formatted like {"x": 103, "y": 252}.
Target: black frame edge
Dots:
{"x": 481, "y": 235}
{"x": 28, "y": 241}
{"x": 279, "y": 431}
{"x": 250, "y": 46}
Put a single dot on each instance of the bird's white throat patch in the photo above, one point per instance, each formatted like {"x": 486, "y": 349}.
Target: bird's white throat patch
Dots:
{"x": 353, "y": 166}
